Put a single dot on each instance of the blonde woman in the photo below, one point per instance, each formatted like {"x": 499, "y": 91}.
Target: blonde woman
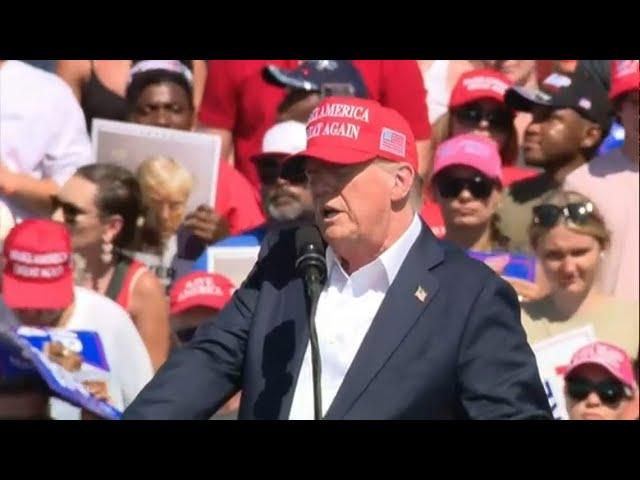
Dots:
{"x": 570, "y": 239}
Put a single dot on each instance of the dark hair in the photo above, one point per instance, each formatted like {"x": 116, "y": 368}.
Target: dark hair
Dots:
{"x": 118, "y": 194}
{"x": 142, "y": 80}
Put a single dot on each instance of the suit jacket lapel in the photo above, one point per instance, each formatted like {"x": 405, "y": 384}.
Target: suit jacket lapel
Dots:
{"x": 409, "y": 294}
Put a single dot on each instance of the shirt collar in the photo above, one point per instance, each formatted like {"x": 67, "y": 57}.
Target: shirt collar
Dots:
{"x": 391, "y": 259}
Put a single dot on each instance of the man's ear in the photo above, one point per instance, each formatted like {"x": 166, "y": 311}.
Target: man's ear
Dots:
{"x": 402, "y": 182}
{"x": 592, "y": 136}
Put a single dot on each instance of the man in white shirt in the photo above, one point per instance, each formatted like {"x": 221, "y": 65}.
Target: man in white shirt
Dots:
{"x": 408, "y": 327}
{"x": 43, "y": 137}
{"x": 611, "y": 182}
{"x": 37, "y": 288}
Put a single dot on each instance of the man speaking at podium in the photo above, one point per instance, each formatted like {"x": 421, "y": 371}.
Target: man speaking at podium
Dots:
{"x": 407, "y": 327}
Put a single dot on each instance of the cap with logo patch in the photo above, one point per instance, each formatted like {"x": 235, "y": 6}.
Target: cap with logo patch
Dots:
{"x": 578, "y": 92}
{"x": 37, "y": 273}
{"x": 348, "y": 130}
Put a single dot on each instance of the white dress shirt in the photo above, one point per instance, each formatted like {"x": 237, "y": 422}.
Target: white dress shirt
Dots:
{"x": 346, "y": 309}
{"x": 43, "y": 132}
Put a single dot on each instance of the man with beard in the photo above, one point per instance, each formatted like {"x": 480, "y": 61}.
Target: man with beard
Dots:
{"x": 286, "y": 199}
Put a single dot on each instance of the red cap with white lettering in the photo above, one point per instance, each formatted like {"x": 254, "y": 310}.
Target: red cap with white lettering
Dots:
{"x": 479, "y": 84}
{"x": 37, "y": 273}
{"x": 349, "y": 130}
{"x": 200, "y": 289}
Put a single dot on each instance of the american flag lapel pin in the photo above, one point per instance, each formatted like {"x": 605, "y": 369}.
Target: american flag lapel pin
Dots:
{"x": 421, "y": 293}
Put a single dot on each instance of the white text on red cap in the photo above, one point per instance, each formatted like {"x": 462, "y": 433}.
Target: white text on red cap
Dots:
{"x": 200, "y": 286}
{"x": 485, "y": 83}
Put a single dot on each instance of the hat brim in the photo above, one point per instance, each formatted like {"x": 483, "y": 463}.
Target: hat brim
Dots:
{"x": 286, "y": 78}
{"x": 334, "y": 154}
{"x": 214, "y": 303}
{"x": 523, "y": 99}
{"x": 600, "y": 364}
{"x": 51, "y": 295}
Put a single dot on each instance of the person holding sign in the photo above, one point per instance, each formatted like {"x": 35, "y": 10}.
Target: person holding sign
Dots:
{"x": 38, "y": 291}
{"x": 467, "y": 181}
{"x": 160, "y": 93}
{"x": 571, "y": 239}
{"x": 600, "y": 384}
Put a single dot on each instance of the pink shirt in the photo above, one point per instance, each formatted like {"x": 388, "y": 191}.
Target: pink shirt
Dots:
{"x": 611, "y": 182}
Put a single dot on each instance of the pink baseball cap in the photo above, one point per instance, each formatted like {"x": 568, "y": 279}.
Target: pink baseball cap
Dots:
{"x": 471, "y": 150}
{"x": 350, "y": 130}
{"x": 614, "y": 359}
{"x": 38, "y": 273}
{"x": 200, "y": 289}
{"x": 625, "y": 77}
{"x": 477, "y": 85}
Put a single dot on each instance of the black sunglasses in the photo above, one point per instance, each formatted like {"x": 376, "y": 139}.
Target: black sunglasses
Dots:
{"x": 609, "y": 391}
{"x": 70, "y": 211}
{"x": 450, "y": 187}
{"x": 270, "y": 169}
{"x": 547, "y": 215}
{"x": 471, "y": 116}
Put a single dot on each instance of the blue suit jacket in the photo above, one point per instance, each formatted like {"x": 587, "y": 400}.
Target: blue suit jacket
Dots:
{"x": 461, "y": 352}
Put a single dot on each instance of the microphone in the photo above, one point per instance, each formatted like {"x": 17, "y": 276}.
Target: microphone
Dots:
{"x": 312, "y": 267}
{"x": 310, "y": 261}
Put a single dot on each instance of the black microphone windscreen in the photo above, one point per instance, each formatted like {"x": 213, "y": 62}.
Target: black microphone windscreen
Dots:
{"x": 308, "y": 235}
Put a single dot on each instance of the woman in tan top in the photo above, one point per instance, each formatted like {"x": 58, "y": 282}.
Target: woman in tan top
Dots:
{"x": 570, "y": 239}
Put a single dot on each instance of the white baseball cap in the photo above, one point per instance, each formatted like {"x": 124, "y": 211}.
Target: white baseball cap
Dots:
{"x": 285, "y": 138}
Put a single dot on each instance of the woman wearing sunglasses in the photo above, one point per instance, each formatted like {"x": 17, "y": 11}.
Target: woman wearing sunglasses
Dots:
{"x": 600, "y": 384}
{"x": 477, "y": 106}
{"x": 101, "y": 205}
{"x": 467, "y": 183}
{"x": 570, "y": 240}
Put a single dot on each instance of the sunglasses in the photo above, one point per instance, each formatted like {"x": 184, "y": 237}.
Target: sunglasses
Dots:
{"x": 547, "y": 215}
{"x": 70, "y": 211}
{"x": 270, "y": 169}
{"x": 609, "y": 391}
{"x": 478, "y": 186}
{"x": 471, "y": 116}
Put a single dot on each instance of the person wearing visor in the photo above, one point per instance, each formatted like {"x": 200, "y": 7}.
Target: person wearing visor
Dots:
{"x": 600, "y": 384}
{"x": 570, "y": 239}
{"x": 408, "y": 327}
{"x": 570, "y": 118}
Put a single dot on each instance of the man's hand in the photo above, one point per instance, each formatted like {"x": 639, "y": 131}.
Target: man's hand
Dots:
{"x": 207, "y": 225}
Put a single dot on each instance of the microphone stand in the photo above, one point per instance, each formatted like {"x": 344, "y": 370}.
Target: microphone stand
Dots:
{"x": 314, "y": 288}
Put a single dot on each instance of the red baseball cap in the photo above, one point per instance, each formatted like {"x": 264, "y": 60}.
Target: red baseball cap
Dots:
{"x": 350, "y": 130}
{"x": 200, "y": 289}
{"x": 477, "y": 85}
{"x": 38, "y": 273}
{"x": 625, "y": 77}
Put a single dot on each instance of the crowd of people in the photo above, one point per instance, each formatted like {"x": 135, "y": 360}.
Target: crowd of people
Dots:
{"x": 530, "y": 167}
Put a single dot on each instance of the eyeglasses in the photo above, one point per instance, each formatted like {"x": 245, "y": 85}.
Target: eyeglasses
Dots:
{"x": 547, "y": 215}
{"x": 450, "y": 187}
{"x": 70, "y": 211}
{"x": 609, "y": 391}
{"x": 471, "y": 116}
{"x": 270, "y": 169}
